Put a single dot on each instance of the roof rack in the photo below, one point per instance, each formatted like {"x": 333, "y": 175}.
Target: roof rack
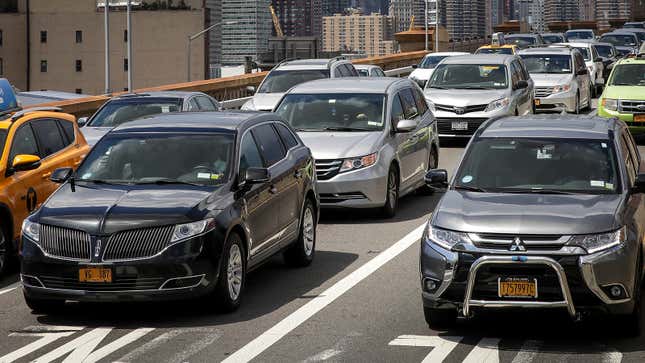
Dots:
{"x": 22, "y": 113}
{"x": 133, "y": 94}
{"x": 338, "y": 58}
{"x": 284, "y": 61}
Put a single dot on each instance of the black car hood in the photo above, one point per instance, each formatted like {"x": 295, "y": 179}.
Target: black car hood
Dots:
{"x": 108, "y": 209}
{"x": 527, "y": 213}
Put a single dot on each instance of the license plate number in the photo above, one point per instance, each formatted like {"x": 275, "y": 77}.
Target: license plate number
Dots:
{"x": 95, "y": 274}
{"x": 459, "y": 125}
{"x": 537, "y": 102}
{"x": 517, "y": 287}
{"x": 639, "y": 118}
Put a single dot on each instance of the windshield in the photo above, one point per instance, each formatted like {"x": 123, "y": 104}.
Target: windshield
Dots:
{"x": 626, "y": 40}
{"x": 628, "y": 75}
{"x": 604, "y": 51}
{"x": 572, "y": 35}
{"x": 117, "y": 112}
{"x": 469, "y": 76}
{"x": 333, "y": 112}
{"x": 508, "y": 51}
{"x": 363, "y": 72}
{"x": 640, "y": 36}
{"x": 556, "y": 64}
{"x": 539, "y": 166}
{"x": 429, "y": 62}
{"x": 624, "y": 51}
{"x": 201, "y": 159}
{"x": 3, "y": 139}
{"x": 549, "y": 39}
{"x": 282, "y": 81}
{"x": 585, "y": 53}
{"x": 521, "y": 42}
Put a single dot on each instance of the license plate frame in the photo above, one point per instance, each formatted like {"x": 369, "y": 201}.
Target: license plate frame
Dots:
{"x": 95, "y": 275}
{"x": 459, "y": 126}
{"x": 639, "y": 117}
{"x": 507, "y": 287}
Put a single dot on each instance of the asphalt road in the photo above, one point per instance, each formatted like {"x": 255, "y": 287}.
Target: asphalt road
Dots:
{"x": 358, "y": 302}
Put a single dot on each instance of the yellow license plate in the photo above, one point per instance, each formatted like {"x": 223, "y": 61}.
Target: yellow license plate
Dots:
{"x": 639, "y": 118}
{"x": 537, "y": 102}
{"x": 517, "y": 287}
{"x": 95, "y": 274}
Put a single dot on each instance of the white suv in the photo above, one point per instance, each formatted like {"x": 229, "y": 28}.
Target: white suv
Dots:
{"x": 592, "y": 61}
{"x": 291, "y": 73}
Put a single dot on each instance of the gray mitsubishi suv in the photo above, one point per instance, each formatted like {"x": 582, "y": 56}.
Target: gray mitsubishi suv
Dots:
{"x": 543, "y": 212}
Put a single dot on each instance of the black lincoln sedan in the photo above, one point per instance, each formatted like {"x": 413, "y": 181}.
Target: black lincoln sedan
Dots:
{"x": 173, "y": 206}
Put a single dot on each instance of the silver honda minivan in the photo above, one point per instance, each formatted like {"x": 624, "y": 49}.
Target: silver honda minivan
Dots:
{"x": 373, "y": 138}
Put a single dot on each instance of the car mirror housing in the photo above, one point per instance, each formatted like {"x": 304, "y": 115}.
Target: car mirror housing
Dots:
{"x": 256, "y": 175}
{"x": 81, "y": 121}
{"x": 23, "y": 162}
{"x": 437, "y": 178}
{"x": 521, "y": 84}
{"x": 582, "y": 71}
{"x": 250, "y": 89}
{"x": 414, "y": 66}
{"x": 406, "y": 125}
{"x": 61, "y": 175}
{"x": 639, "y": 185}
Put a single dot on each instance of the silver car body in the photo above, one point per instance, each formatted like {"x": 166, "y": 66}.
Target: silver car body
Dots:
{"x": 422, "y": 75}
{"x": 366, "y": 187}
{"x": 369, "y": 70}
{"x": 459, "y": 112}
{"x": 551, "y": 89}
{"x": 262, "y": 101}
{"x": 595, "y": 68}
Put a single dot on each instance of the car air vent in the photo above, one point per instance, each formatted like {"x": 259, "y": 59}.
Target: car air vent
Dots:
{"x": 527, "y": 242}
{"x": 65, "y": 243}
{"x": 542, "y": 92}
{"x": 327, "y": 169}
{"x": 137, "y": 243}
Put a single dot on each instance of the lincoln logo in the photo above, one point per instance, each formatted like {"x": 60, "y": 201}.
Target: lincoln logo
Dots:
{"x": 97, "y": 248}
{"x": 517, "y": 245}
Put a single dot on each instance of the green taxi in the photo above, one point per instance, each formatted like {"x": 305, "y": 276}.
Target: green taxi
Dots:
{"x": 624, "y": 94}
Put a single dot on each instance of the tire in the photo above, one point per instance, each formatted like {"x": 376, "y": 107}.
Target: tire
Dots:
{"x": 577, "y": 110}
{"x": 391, "y": 193}
{"x": 517, "y": 112}
{"x": 5, "y": 251}
{"x": 39, "y": 306}
{"x": 302, "y": 252}
{"x": 632, "y": 323}
{"x": 232, "y": 275}
{"x": 440, "y": 318}
{"x": 433, "y": 163}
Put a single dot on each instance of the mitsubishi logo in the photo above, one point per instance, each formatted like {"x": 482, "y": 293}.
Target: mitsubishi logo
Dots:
{"x": 97, "y": 248}
{"x": 459, "y": 110}
{"x": 517, "y": 245}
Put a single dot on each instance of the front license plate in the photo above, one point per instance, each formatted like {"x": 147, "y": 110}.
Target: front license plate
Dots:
{"x": 460, "y": 125}
{"x": 95, "y": 274}
{"x": 517, "y": 287}
{"x": 537, "y": 102}
{"x": 639, "y": 118}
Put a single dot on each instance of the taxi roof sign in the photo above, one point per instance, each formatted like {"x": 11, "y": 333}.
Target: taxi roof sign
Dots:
{"x": 8, "y": 100}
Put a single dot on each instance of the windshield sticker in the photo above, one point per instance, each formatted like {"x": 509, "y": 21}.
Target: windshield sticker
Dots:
{"x": 165, "y": 109}
{"x": 546, "y": 152}
{"x": 467, "y": 179}
{"x": 332, "y": 101}
{"x": 208, "y": 176}
{"x": 490, "y": 68}
{"x": 609, "y": 186}
{"x": 597, "y": 183}
{"x": 373, "y": 123}
{"x": 86, "y": 176}
{"x": 603, "y": 145}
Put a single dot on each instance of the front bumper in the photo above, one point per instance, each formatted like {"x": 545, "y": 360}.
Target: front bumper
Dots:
{"x": 363, "y": 188}
{"x": 469, "y": 280}
{"x": 446, "y": 122}
{"x": 565, "y": 101}
{"x": 636, "y": 128}
{"x": 183, "y": 271}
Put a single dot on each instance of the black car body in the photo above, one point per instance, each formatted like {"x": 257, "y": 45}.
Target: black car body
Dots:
{"x": 553, "y": 204}
{"x": 150, "y": 208}
{"x": 609, "y": 55}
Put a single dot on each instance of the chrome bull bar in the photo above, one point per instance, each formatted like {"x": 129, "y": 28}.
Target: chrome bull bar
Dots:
{"x": 516, "y": 259}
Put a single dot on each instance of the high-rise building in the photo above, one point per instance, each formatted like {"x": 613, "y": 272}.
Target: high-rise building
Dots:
{"x": 497, "y": 12}
{"x": 613, "y": 9}
{"x": 331, "y": 7}
{"x": 299, "y": 17}
{"x": 561, "y": 10}
{"x": 406, "y": 11}
{"x": 466, "y": 18}
{"x": 537, "y": 16}
{"x": 587, "y": 10}
{"x": 249, "y": 36}
{"x": 214, "y": 37}
{"x": 369, "y": 34}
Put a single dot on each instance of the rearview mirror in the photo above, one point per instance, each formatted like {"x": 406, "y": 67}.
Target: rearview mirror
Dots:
{"x": 437, "y": 178}
{"x": 81, "y": 121}
{"x": 25, "y": 162}
{"x": 61, "y": 175}
{"x": 639, "y": 185}
{"x": 406, "y": 125}
{"x": 256, "y": 175}
{"x": 521, "y": 84}
{"x": 250, "y": 89}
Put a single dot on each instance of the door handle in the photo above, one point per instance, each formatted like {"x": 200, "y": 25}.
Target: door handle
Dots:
{"x": 46, "y": 175}
{"x": 273, "y": 190}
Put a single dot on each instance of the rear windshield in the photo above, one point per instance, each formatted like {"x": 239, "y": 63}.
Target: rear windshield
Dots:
{"x": 117, "y": 112}
{"x": 521, "y": 42}
{"x": 585, "y": 53}
{"x": 508, "y": 51}
{"x": 553, "y": 39}
{"x": 627, "y": 40}
{"x": 429, "y": 62}
{"x": 572, "y": 35}
{"x": 628, "y": 75}
{"x": 604, "y": 51}
{"x": 282, "y": 81}
{"x": 551, "y": 63}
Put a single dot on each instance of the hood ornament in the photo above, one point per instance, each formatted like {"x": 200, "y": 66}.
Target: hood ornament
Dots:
{"x": 517, "y": 245}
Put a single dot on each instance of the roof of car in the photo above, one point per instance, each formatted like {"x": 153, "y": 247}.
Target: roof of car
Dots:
{"x": 546, "y": 50}
{"x": 551, "y": 126}
{"x": 480, "y": 59}
{"x": 576, "y": 44}
{"x": 445, "y": 54}
{"x": 196, "y": 121}
{"x": 366, "y": 66}
{"x": 522, "y": 35}
{"x": 579, "y": 30}
{"x": 163, "y": 94}
{"x": 299, "y": 64}
{"x": 619, "y": 32}
{"x": 636, "y": 60}
{"x": 377, "y": 85}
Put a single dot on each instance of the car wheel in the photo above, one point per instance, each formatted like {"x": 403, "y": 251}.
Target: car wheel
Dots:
{"x": 632, "y": 323}
{"x": 302, "y": 252}
{"x": 391, "y": 193}
{"x": 40, "y": 306}
{"x": 5, "y": 252}
{"x": 440, "y": 318}
{"x": 232, "y": 275}
{"x": 577, "y": 109}
{"x": 433, "y": 163}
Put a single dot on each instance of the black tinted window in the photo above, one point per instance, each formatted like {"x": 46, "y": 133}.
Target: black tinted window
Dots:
{"x": 397, "y": 110}
{"x": 287, "y": 137}
{"x": 422, "y": 106}
{"x": 409, "y": 104}
{"x": 249, "y": 154}
{"x": 205, "y": 104}
{"x": 68, "y": 128}
{"x": 270, "y": 145}
{"x": 192, "y": 105}
{"x": 49, "y": 137}
{"x": 24, "y": 142}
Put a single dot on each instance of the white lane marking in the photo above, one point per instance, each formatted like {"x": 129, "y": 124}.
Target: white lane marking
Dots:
{"x": 148, "y": 347}
{"x": 442, "y": 346}
{"x": 83, "y": 344}
{"x": 210, "y": 336}
{"x": 275, "y": 333}
{"x": 334, "y": 351}
{"x": 486, "y": 351}
{"x": 45, "y": 338}
{"x": 10, "y": 288}
{"x": 528, "y": 352}
{"x": 117, "y": 344}
{"x": 611, "y": 355}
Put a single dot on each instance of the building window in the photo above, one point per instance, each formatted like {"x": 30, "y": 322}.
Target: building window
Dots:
{"x": 125, "y": 35}
{"x": 79, "y": 90}
{"x": 125, "y": 89}
{"x": 1, "y": 67}
{"x": 43, "y": 36}
{"x": 125, "y": 64}
{"x": 43, "y": 66}
{"x": 79, "y": 36}
{"x": 79, "y": 65}
{"x": 0, "y": 37}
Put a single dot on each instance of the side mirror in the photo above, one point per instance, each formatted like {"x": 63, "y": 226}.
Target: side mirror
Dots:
{"x": 406, "y": 125}
{"x": 81, "y": 121}
{"x": 521, "y": 84}
{"x": 415, "y": 66}
{"x": 437, "y": 178}
{"x": 250, "y": 89}
{"x": 639, "y": 185}
{"x": 256, "y": 175}
{"x": 61, "y": 175}
{"x": 582, "y": 72}
{"x": 25, "y": 162}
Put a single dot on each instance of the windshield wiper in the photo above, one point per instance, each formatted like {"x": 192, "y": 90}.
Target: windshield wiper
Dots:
{"x": 342, "y": 128}
{"x": 100, "y": 181}
{"x": 470, "y": 189}
{"x": 473, "y": 87}
{"x": 437, "y": 87}
{"x": 168, "y": 182}
{"x": 537, "y": 191}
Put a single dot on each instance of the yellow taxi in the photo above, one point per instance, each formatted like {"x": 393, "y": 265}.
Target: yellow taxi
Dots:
{"x": 509, "y": 49}
{"x": 34, "y": 142}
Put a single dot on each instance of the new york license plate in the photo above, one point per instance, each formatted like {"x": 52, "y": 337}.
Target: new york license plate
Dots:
{"x": 95, "y": 274}
{"x": 517, "y": 287}
{"x": 460, "y": 125}
{"x": 639, "y": 118}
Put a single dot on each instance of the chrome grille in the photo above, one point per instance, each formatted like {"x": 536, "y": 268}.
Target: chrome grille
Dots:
{"x": 327, "y": 169}
{"x": 137, "y": 243}
{"x": 65, "y": 243}
{"x": 464, "y": 109}
{"x": 530, "y": 242}
{"x": 632, "y": 106}
{"x": 542, "y": 92}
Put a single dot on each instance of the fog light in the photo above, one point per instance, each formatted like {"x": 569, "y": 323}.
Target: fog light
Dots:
{"x": 430, "y": 285}
{"x": 615, "y": 291}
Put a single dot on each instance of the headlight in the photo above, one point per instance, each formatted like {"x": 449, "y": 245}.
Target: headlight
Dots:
{"x": 610, "y": 104}
{"x": 31, "y": 230}
{"x": 187, "y": 230}
{"x": 444, "y": 238}
{"x": 497, "y": 104}
{"x": 598, "y": 242}
{"x": 359, "y": 163}
{"x": 562, "y": 88}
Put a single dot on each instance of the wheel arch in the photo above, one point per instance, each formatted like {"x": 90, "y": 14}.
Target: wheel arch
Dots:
{"x": 6, "y": 221}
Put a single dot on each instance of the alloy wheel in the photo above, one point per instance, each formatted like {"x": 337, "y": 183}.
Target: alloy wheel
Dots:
{"x": 308, "y": 233}
{"x": 3, "y": 251}
{"x": 234, "y": 272}
{"x": 391, "y": 189}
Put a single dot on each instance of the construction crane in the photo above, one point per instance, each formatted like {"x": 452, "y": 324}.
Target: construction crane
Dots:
{"x": 276, "y": 22}
{"x": 411, "y": 23}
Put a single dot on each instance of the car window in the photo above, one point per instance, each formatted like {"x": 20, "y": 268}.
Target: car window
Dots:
{"x": 515, "y": 74}
{"x": 630, "y": 165}
{"x": 269, "y": 143}
{"x": 397, "y": 110}
{"x": 351, "y": 70}
{"x": 249, "y": 154}
{"x": 118, "y": 111}
{"x": 192, "y": 104}
{"x": 346, "y": 71}
{"x": 525, "y": 73}
{"x": 287, "y": 136}
{"x": 205, "y": 104}
{"x": 68, "y": 129}
{"x": 420, "y": 100}
{"x": 409, "y": 104}
{"x": 24, "y": 142}
{"x": 49, "y": 137}
{"x": 632, "y": 146}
